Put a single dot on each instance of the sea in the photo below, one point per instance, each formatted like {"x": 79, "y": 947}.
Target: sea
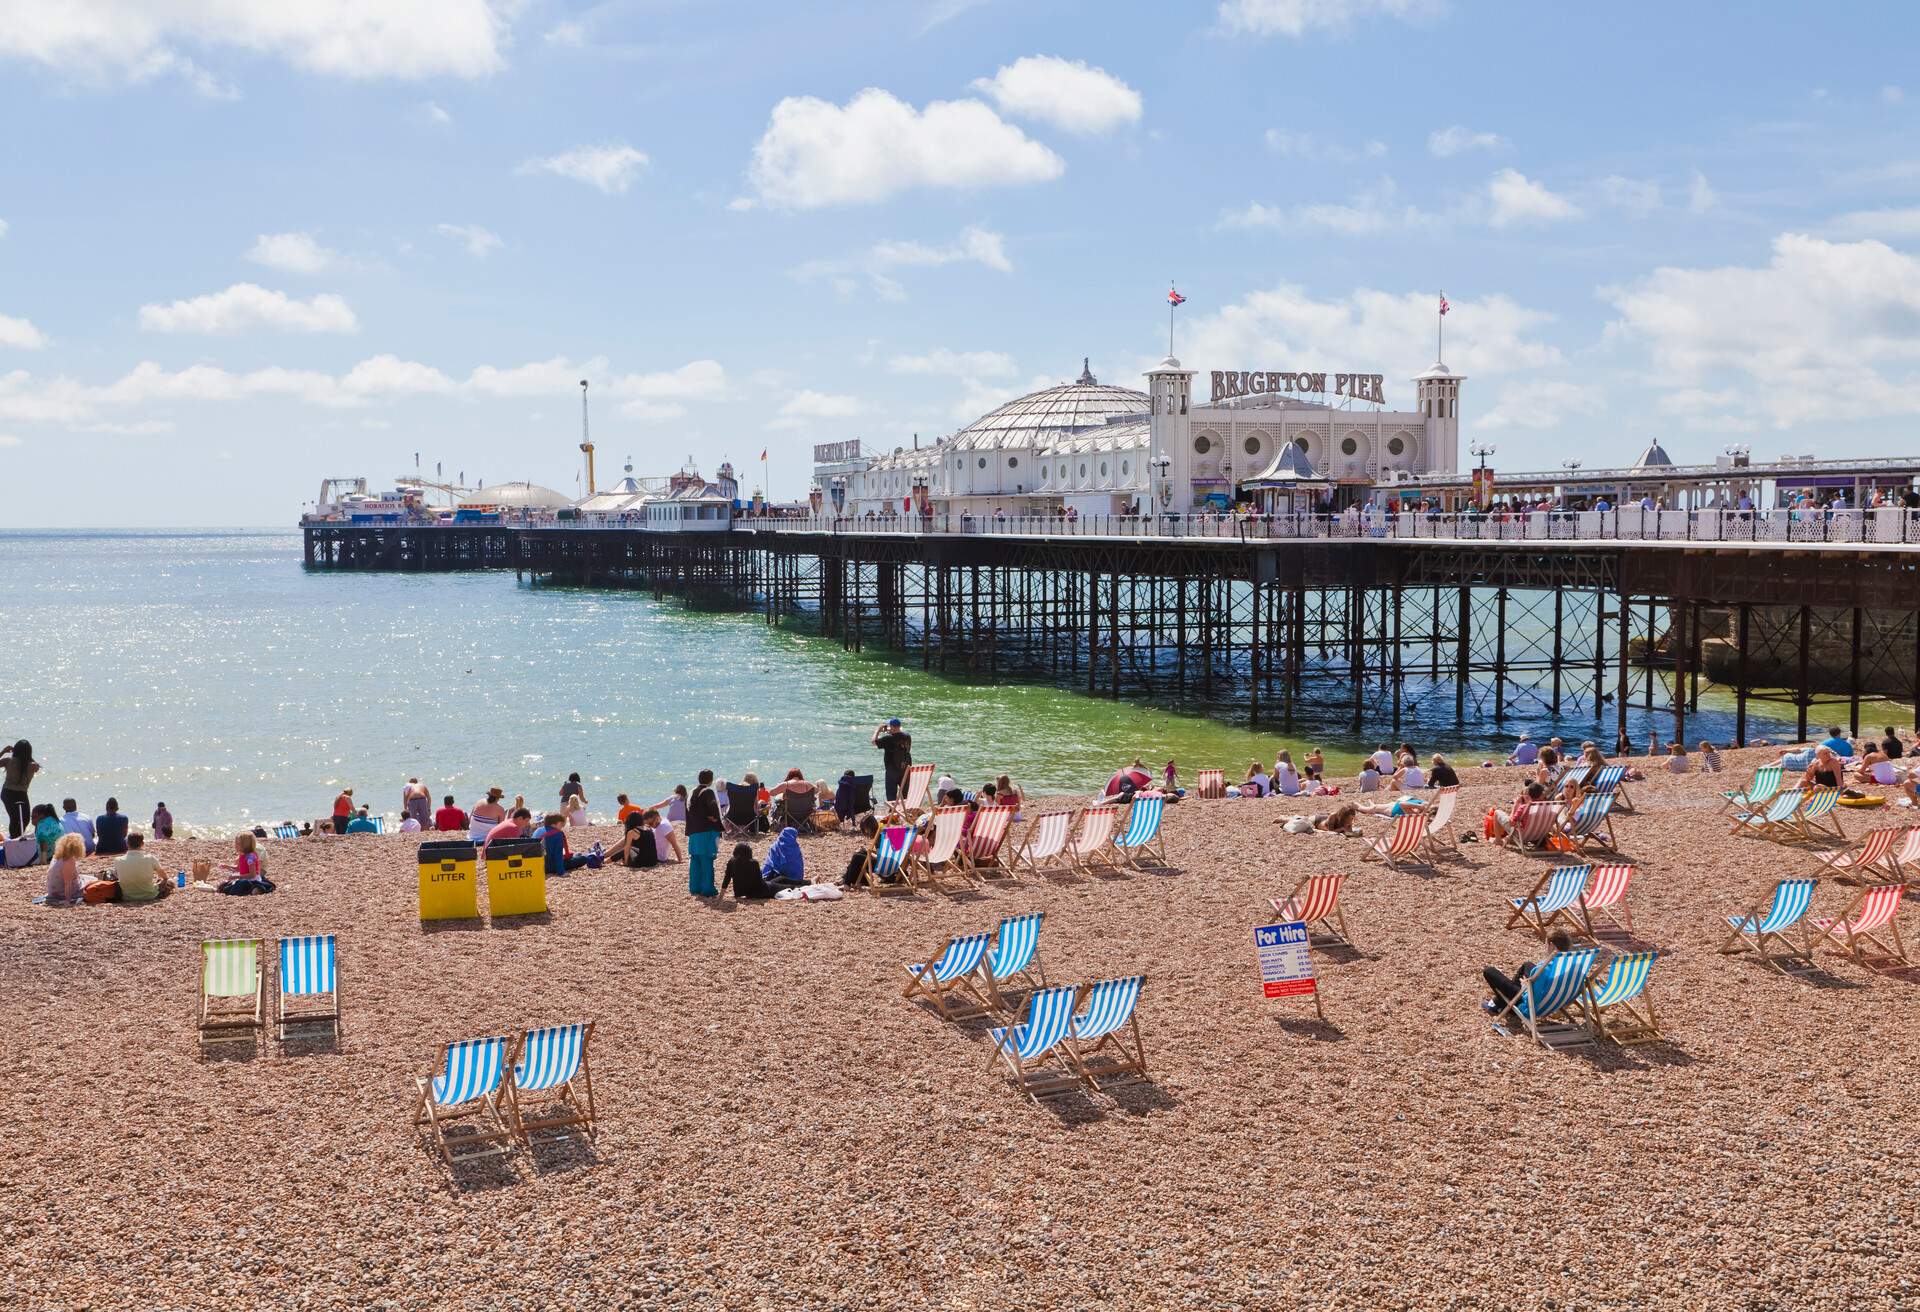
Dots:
{"x": 211, "y": 670}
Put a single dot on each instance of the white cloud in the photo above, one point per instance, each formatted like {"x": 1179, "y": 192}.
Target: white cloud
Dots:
{"x": 942, "y": 362}
{"x": 1444, "y": 143}
{"x": 1369, "y": 211}
{"x": 1891, "y": 95}
{"x": 809, "y": 404}
{"x": 1299, "y": 17}
{"x": 1890, "y": 222}
{"x": 611, "y": 168}
{"x": 1634, "y": 195}
{"x": 245, "y": 306}
{"x": 816, "y": 153}
{"x": 478, "y": 240}
{"x": 1700, "y": 196}
{"x": 977, "y": 245}
{"x": 945, "y": 11}
{"x": 1517, "y": 199}
{"x": 135, "y": 40}
{"x": 292, "y": 252}
{"x": 3, "y": 227}
{"x": 1541, "y": 403}
{"x": 436, "y": 114}
{"x": 1304, "y": 145}
{"x": 569, "y": 35}
{"x": 1824, "y": 331}
{"x": 20, "y": 334}
{"x": 1067, "y": 93}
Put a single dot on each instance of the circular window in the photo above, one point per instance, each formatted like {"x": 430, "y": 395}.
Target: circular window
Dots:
{"x": 983, "y": 462}
{"x": 1300, "y": 442}
{"x": 1253, "y": 446}
{"x": 1348, "y": 447}
{"x": 1202, "y": 444}
{"x": 1013, "y": 462}
{"x": 1396, "y": 446}
{"x": 1103, "y": 469}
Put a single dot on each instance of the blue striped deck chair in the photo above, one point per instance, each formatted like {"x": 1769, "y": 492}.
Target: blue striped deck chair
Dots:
{"x": 1772, "y": 934}
{"x": 1014, "y": 959}
{"x": 887, "y": 872}
{"x": 1033, "y": 1051}
{"x": 1142, "y": 837}
{"x": 1774, "y": 822}
{"x": 309, "y": 992}
{"x": 1766, "y": 782}
{"x": 232, "y": 992}
{"x": 948, "y": 981}
{"x": 1611, "y": 780}
{"x": 1554, "y": 898}
{"x": 286, "y": 831}
{"x": 1543, "y": 1005}
{"x": 1591, "y": 824}
{"x": 1104, "y": 1042}
{"x": 550, "y": 1066}
{"x": 379, "y": 823}
{"x": 1617, "y": 1004}
{"x": 1821, "y": 804}
{"x": 468, "y": 1088}
{"x": 1572, "y": 772}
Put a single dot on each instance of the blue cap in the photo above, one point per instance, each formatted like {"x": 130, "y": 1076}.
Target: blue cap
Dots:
{"x": 894, "y": 722}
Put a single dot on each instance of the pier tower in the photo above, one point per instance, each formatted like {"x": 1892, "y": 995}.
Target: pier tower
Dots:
{"x": 1170, "y": 387}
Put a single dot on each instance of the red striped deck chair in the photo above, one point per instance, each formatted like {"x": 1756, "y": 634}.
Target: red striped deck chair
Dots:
{"x": 980, "y": 849}
{"x": 1439, "y": 841}
{"x": 1874, "y": 912}
{"x": 1533, "y": 824}
{"x": 1406, "y": 841}
{"x": 1092, "y": 845}
{"x": 1607, "y": 895}
{"x": 1907, "y": 859}
{"x": 1316, "y": 904}
{"x": 1874, "y": 856}
{"x": 941, "y": 861}
{"x": 1045, "y": 843}
{"x": 1210, "y": 784}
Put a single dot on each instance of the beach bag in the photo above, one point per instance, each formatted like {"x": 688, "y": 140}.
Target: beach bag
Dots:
{"x": 1561, "y": 843}
{"x": 101, "y": 890}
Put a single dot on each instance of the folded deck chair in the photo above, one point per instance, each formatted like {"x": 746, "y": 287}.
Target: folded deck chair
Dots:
{"x": 1013, "y": 960}
{"x": 743, "y": 811}
{"x": 913, "y": 789}
{"x": 1105, "y": 1043}
{"x": 1532, "y": 825}
{"x": 888, "y": 872}
{"x": 941, "y": 861}
{"x": 1776, "y": 821}
{"x": 1874, "y": 856}
{"x": 1315, "y": 903}
{"x": 1591, "y": 824}
{"x": 1032, "y": 1050}
{"x": 853, "y": 796}
{"x": 550, "y": 1067}
{"x": 1874, "y": 910}
{"x": 1406, "y": 841}
{"x": 1210, "y": 784}
{"x": 1092, "y": 843}
{"x": 1772, "y": 935}
{"x": 1142, "y": 837}
{"x": 948, "y": 980}
{"x": 1766, "y": 782}
{"x": 1043, "y": 843}
{"x": 1440, "y": 815}
{"x": 468, "y": 1088}
{"x": 286, "y": 831}
{"x": 231, "y": 991}
{"x": 1819, "y": 816}
{"x": 1611, "y": 780}
{"x": 1554, "y": 898}
{"x": 1617, "y": 1004}
{"x": 1543, "y": 1006}
{"x": 1607, "y": 895}
{"x": 309, "y": 993}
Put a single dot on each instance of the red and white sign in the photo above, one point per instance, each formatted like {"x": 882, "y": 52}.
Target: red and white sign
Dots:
{"x": 1286, "y": 969}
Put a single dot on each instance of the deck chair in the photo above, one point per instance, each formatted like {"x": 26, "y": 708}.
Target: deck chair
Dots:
{"x": 1032, "y": 1050}
{"x": 550, "y": 1066}
{"x": 1544, "y": 1005}
{"x": 1532, "y": 825}
{"x": 1092, "y": 843}
{"x": 1315, "y": 903}
{"x": 1611, "y": 781}
{"x": 796, "y": 810}
{"x": 1104, "y": 1042}
{"x": 1775, "y": 821}
{"x": 913, "y": 789}
{"x": 1607, "y": 895}
{"x": 1013, "y": 959}
{"x": 1554, "y": 898}
{"x": 1573, "y": 772}
{"x": 232, "y": 993}
{"x": 948, "y": 981}
{"x": 941, "y": 861}
{"x": 309, "y": 992}
{"x": 1822, "y": 805}
{"x": 1874, "y": 855}
{"x": 888, "y": 872}
{"x": 1044, "y": 843}
{"x": 1766, "y": 782}
{"x": 468, "y": 1087}
{"x": 1440, "y": 815}
{"x": 1142, "y": 836}
{"x": 1591, "y": 824}
{"x": 286, "y": 831}
{"x": 1873, "y": 911}
{"x": 742, "y": 818}
{"x": 1617, "y": 1004}
{"x": 853, "y": 796}
{"x": 1784, "y": 920}
{"x": 1210, "y": 784}
{"x": 1406, "y": 841}
{"x": 980, "y": 850}
{"x": 1907, "y": 859}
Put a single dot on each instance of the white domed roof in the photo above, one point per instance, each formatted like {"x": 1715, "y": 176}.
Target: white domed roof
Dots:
{"x": 520, "y": 496}
{"x": 1051, "y": 412}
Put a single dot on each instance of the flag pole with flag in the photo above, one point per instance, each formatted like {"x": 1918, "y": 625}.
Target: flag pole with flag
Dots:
{"x": 1440, "y": 330}
{"x": 766, "y": 493}
{"x": 1174, "y": 301}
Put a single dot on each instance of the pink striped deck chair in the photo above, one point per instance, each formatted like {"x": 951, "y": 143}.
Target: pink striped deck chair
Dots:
{"x": 1875, "y": 855}
{"x": 1210, "y": 784}
{"x": 913, "y": 789}
{"x": 1439, "y": 841}
{"x": 1093, "y": 844}
{"x": 1607, "y": 894}
{"x": 980, "y": 849}
{"x": 1316, "y": 904}
{"x": 1044, "y": 844}
{"x": 933, "y": 867}
{"x": 1907, "y": 859}
{"x": 1406, "y": 841}
{"x": 1873, "y": 911}
{"x": 1532, "y": 825}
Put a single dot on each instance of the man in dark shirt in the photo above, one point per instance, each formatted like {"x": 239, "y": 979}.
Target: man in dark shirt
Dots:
{"x": 110, "y": 830}
{"x": 896, "y": 754}
{"x": 1890, "y": 746}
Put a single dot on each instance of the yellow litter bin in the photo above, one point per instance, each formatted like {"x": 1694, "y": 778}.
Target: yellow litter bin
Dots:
{"x": 449, "y": 881}
{"x": 516, "y": 878}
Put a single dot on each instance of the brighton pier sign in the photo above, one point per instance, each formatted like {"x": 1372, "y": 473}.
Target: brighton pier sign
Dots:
{"x": 1230, "y": 383}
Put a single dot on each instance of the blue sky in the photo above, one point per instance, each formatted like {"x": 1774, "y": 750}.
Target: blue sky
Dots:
{"x": 248, "y": 246}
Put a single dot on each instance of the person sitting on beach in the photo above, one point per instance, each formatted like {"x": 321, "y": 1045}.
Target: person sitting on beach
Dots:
{"x": 1890, "y": 745}
{"x": 416, "y": 801}
{"x": 1505, "y": 988}
{"x": 1286, "y": 779}
{"x": 627, "y": 808}
{"x": 1547, "y": 768}
{"x": 1503, "y": 820}
{"x": 1824, "y": 771}
{"x": 742, "y": 875}
{"x": 1257, "y": 783}
{"x": 805, "y": 796}
{"x": 487, "y": 815}
{"x": 1008, "y": 794}
{"x": 1677, "y": 760}
{"x": 513, "y": 827}
{"x": 362, "y": 823}
{"x": 571, "y": 789}
{"x": 1837, "y": 743}
{"x": 162, "y": 821}
{"x": 559, "y": 855}
{"x": 1315, "y": 762}
{"x": 637, "y": 849}
{"x": 1440, "y": 774}
{"x": 1526, "y": 753}
{"x": 249, "y": 870}
{"x": 861, "y": 862}
{"x": 945, "y": 784}
{"x": 47, "y": 829}
{"x": 449, "y": 819}
{"x": 1709, "y": 758}
{"x": 1382, "y": 759}
{"x": 1341, "y": 820}
{"x": 1874, "y": 767}
{"x": 1409, "y": 774}
{"x": 138, "y": 874}
{"x": 1369, "y": 777}
{"x": 342, "y": 810}
{"x": 63, "y": 874}
{"x": 784, "y": 867}
{"x": 1126, "y": 781}
{"x": 666, "y": 841}
{"x": 74, "y": 823}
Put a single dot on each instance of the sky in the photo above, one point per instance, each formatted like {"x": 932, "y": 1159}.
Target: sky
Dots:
{"x": 246, "y": 246}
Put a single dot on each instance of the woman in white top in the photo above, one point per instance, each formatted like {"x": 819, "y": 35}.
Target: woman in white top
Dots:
{"x": 1410, "y": 775}
{"x": 1257, "y": 782}
{"x": 577, "y": 810}
{"x": 485, "y": 815}
{"x": 1286, "y": 779}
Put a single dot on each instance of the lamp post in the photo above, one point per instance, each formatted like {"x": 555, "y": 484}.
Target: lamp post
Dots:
{"x": 1161, "y": 464}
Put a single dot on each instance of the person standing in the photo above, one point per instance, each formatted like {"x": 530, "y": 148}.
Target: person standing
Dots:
{"x": 417, "y": 802}
{"x": 17, "y": 769}
{"x": 896, "y": 754}
{"x": 703, "y": 837}
{"x": 342, "y": 810}
{"x": 162, "y": 821}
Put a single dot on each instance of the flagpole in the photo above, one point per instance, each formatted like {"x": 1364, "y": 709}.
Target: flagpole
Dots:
{"x": 1440, "y": 332}
{"x": 1171, "y": 307}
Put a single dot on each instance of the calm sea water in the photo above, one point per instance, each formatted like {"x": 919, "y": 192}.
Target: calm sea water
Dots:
{"x": 211, "y": 670}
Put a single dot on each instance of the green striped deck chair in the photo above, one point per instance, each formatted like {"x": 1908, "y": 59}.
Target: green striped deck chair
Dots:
{"x": 1766, "y": 782}
{"x": 231, "y": 992}
{"x": 1775, "y": 821}
{"x": 1617, "y": 1004}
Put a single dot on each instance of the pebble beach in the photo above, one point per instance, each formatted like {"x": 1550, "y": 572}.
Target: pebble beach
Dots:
{"x": 780, "y": 1129}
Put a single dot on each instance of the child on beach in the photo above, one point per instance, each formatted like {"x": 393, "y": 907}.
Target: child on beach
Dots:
{"x": 162, "y": 821}
{"x": 47, "y": 829}
{"x": 249, "y": 870}
{"x": 1173, "y": 777}
{"x": 1709, "y": 757}
{"x": 63, "y": 876}
{"x": 1677, "y": 762}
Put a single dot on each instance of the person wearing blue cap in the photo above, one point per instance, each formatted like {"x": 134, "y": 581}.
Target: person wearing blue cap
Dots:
{"x": 896, "y": 754}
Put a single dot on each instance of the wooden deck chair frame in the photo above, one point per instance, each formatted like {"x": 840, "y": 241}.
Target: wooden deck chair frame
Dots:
{"x": 1745, "y": 799}
{"x": 915, "y": 786}
{"x": 1795, "y": 956}
{"x": 1811, "y": 828}
{"x": 934, "y": 874}
{"x": 1606, "y": 894}
{"x": 987, "y": 865}
{"x": 574, "y": 1095}
{"x": 1117, "y": 1055}
{"x": 1775, "y": 821}
{"x": 1570, "y": 828}
{"x": 1439, "y": 841}
{"x": 301, "y": 1007}
{"x": 1619, "y": 1008}
{"x": 237, "y": 1014}
{"x": 1531, "y": 826}
{"x": 1048, "y": 1073}
{"x": 1555, "y": 1027}
{"x": 1031, "y": 975}
{"x": 494, "y": 1138}
{"x": 1406, "y": 841}
{"x": 1155, "y": 846}
{"x": 1529, "y": 912}
{"x": 959, "y": 996}
{"x": 1060, "y": 822}
{"x": 1086, "y": 858}
{"x": 1210, "y": 785}
{"x": 1882, "y": 903}
{"x": 903, "y": 873}
{"x": 1874, "y": 856}
{"x": 1315, "y": 903}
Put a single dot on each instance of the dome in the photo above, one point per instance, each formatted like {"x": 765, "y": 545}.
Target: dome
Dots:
{"x": 1654, "y": 457}
{"x": 518, "y": 496}
{"x": 1050, "y": 412}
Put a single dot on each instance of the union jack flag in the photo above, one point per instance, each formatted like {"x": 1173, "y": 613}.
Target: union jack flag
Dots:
{"x": 1444, "y": 307}
{"x": 1175, "y": 298}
